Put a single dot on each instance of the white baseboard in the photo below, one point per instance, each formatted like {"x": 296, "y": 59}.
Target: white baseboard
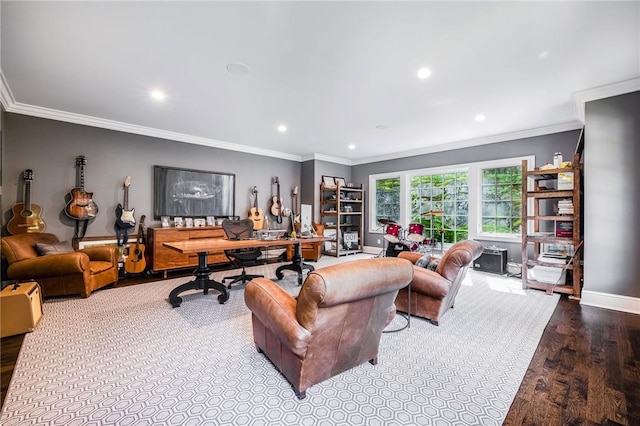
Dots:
{"x": 611, "y": 301}
{"x": 371, "y": 250}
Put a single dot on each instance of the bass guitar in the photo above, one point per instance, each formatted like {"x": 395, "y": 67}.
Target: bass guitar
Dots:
{"x": 255, "y": 213}
{"x": 276, "y": 202}
{"x": 136, "y": 262}
{"x": 124, "y": 216}
{"x": 26, "y": 216}
{"x": 81, "y": 206}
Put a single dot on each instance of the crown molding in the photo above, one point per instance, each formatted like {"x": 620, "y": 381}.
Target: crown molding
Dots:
{"x": 6, "y": 97}
{"x": 328, "y": 158}
{"x": 540, "y": 131}
{"x": 582, "y": 97}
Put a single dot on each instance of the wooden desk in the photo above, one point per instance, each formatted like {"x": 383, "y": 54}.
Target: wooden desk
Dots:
{"x": 205, "y": 245}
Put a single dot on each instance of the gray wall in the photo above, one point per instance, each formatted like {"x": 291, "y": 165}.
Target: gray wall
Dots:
{"x": 543, "y": 147}
{"x": 50, "y": 148}
{"x": 612, "y": 195}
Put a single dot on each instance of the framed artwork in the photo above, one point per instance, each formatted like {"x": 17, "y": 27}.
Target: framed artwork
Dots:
{"x": 177, "y": 222}
{"x": 188, "y": 222}
{"x": 329, "y": 181}
{"x": 211, "y": 220}
{"x": 165, "y": 221}
{"x": 340, "y": 181}
{"x": 198, "y": 222}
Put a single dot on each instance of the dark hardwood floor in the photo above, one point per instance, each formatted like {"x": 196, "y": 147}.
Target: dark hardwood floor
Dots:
{"x": 586, "y": 370}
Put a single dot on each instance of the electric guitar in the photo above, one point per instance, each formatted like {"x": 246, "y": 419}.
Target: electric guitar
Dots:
{"x": 276, "y": 202}
{"x": 136, "y": 261}
{"x": 255, "y": 213}
{"x": 124, "y": 216}
{"x": 26, "y": 216}
{"x": 81, "y": 206}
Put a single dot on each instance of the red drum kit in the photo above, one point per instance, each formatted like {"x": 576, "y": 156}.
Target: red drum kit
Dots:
{"x": 411, "y": 239}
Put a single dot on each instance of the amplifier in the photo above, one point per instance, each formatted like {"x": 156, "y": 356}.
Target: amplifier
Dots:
{"x": 20, "y": 308}
{"x": 492, "y": 260}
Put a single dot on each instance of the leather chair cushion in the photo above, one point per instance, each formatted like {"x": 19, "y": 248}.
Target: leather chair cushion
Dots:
{"x": 97, "y": 266}
{"x": 48, "y": 249}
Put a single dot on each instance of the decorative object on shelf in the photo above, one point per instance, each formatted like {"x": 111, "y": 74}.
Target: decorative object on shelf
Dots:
{"x": 329, "y": 181}
{"x": 350, "y": 240}
{"x": 177, "y": 222}
{"x": 211, "y": 220}
{"x": 199, "y": 222}
{"x": 188, "y": 222}
{"x": 165, "y": 221}
{"x": 340, "y": 182}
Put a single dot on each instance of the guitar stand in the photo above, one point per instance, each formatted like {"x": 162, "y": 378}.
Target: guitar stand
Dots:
{"x": 79, "y": 233}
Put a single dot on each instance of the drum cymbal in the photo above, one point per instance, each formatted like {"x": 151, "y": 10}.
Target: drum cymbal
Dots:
{"x": 385, "y": 221}
{"x": 433, "y": 213}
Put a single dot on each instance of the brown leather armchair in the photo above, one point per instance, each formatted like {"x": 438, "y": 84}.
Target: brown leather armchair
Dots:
{"x": 433, "y": 292}
{"x": 335, "y": 323}
{"x": 310, "y": 251}
{"x": 79, "y": 272}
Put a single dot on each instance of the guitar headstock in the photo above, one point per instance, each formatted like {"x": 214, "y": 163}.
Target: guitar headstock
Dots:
{"x": 81, "y": 161}
{"x": 142, "y": 218}
{"x": 127, "y": 181}
{"x": 295, "y": 191}
{"x": 254, "y": 190}
{"x": 27, "y": 174}
{"x": 276, "y": 180}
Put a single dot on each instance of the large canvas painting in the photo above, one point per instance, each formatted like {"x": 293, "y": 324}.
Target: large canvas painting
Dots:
{"x": 193, "y": 193}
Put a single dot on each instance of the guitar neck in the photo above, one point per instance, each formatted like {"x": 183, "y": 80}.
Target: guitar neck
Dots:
{"x": 27, "y": 195}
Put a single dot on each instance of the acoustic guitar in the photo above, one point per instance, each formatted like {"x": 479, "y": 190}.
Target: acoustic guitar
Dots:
{"x": 255, "y": 213}
{"x": 136, "y": 262}
{"x": 26, "y": 216}
{"x": 81, "y": 206}
{"x": 276, "y": 202}
{"x": 124, "y": 217}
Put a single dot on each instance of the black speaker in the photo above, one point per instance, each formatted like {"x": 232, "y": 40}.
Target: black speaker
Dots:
{"x": 492, "y": 260}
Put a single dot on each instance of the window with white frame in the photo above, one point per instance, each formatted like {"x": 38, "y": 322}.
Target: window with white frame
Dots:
{"x": 454, "y": 203}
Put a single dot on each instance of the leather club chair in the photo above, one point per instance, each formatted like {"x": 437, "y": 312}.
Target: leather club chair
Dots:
{"x": 434, "y": 292}
{"x": 78, "y": 272}
{"x": 310, "y": 251}
{"x": 334, "y": 324}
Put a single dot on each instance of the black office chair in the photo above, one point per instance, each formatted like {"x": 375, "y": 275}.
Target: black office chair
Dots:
{"x": 238, "y": 230}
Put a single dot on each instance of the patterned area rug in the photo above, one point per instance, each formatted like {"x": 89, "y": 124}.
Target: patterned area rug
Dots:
{"x": 125, "y": 357}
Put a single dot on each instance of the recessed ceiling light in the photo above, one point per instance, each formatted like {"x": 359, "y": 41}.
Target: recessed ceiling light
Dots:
{"x": 382, "y": 126}
{"x": 543, "y": 55}
{"x": 238, "y": 69}
{"x": 480, "y": 117}
{"x": 158, "y": 95}
{"x": 282, "y": 128}
{"x": 352, "y": 146}
{"x": 424, "y": 73}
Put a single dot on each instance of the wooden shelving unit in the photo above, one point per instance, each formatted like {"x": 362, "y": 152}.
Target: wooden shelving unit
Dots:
{"x": 550, "y": 193}
{"x": 342, "y": 214}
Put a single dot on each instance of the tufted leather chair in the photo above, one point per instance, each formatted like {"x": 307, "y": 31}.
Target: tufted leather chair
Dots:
{"x": 335, "y": 323}
{"x": 80, "y": 272}
{"x": 433, "y": 292}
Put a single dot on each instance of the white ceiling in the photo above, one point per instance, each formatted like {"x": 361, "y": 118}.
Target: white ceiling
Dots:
{"x": 330, "y": 71}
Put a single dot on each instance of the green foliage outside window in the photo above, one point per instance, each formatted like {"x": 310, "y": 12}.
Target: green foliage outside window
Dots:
{"x": 443, "y": 192}
{"x": 388, "y": 199}
{"x": 502, "y": 200}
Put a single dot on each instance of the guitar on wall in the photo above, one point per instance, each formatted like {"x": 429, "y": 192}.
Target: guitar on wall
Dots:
{"x": 124, "y": 216}
{"x": 26, "y": 216}
{"x": 255, "y": 213}
{"x": 81, "y": 206}
{"x": 276, "y": 202}
{"x": 136, "y": 262}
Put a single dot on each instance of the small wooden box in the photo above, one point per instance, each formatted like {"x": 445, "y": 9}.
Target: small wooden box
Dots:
{"x": 20, "y": 308}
